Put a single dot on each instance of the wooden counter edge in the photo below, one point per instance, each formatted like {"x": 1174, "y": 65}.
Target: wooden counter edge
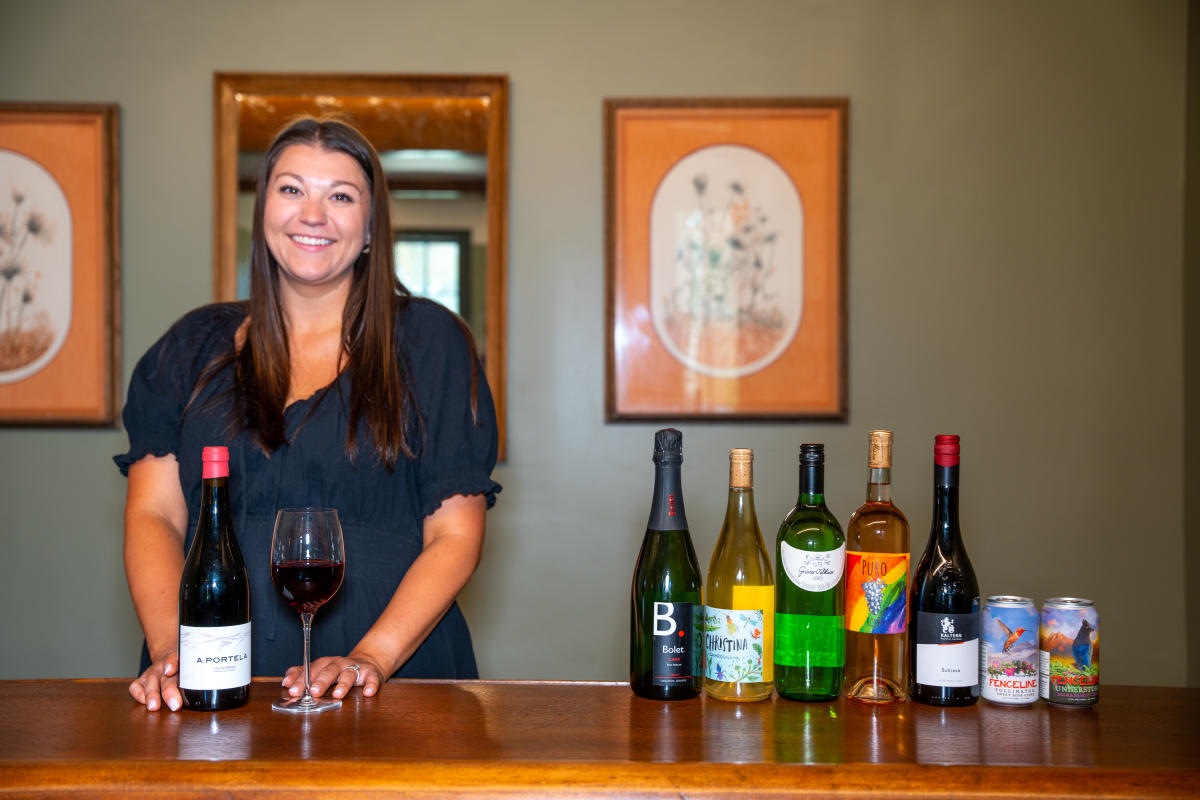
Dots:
{"x": 520, "y": 779}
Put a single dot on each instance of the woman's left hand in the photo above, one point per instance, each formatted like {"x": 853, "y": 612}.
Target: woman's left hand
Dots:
{"x": 336, "y": 674}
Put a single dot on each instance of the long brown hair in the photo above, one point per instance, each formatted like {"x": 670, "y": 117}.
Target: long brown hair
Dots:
{"x": 380, "y": 387}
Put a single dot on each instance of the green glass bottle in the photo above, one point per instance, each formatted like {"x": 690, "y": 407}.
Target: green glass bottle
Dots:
{"x": 810, "y": 554}
{"x": 665, "y": 649}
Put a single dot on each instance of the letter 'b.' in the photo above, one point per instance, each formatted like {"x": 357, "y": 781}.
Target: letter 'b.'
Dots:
{"x": 662, "y": 613}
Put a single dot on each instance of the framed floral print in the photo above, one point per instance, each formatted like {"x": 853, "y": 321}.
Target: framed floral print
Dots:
{"x": 59, "y": 264}
{"x": 725, "y": 258}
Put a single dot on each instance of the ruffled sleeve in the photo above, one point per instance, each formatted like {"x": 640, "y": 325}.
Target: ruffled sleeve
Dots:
{"x": 458, "y": 450}
{"x": 161, "y": 385}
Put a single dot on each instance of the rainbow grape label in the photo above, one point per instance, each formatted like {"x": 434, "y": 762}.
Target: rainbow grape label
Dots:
{"x": 876, "y": 591}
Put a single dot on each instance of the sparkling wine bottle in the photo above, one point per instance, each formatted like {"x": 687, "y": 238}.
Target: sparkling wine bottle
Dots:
{"x": 214, "y": 602}
{"x": 877, "y": 586}
{"x": 665, "y": 650}
{"x": 810, "y": 553}
{"x": 739, "y": 619}
{"x": 944, "y": 645}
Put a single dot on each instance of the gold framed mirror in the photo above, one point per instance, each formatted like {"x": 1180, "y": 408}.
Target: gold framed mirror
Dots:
{"x": 443, "y": 141}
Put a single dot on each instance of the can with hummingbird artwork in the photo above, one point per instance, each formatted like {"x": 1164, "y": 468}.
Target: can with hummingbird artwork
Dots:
{"x": 1069, "y": 641}
{"x": 1008, "y": 667}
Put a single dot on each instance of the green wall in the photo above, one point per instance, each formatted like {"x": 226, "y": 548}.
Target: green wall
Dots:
{"x": 1016, "y": 268}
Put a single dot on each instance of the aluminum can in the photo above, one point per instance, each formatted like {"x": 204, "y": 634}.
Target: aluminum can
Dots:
{"x": 1008, "y": 652}
{"x": 1069, "y": 658}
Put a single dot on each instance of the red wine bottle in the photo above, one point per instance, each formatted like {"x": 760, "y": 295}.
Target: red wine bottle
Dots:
{"x": 214, "y": 601}
{"x": 665, "y": 648}
{"x": 944, "y": 642}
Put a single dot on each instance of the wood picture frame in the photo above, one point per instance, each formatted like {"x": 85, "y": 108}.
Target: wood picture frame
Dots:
{"x": 725, "y": 256}
{"x": 59, "y": 264}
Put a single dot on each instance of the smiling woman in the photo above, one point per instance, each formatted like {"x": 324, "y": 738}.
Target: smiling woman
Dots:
{"x": 332, "y": 387}
{"x": 315, "y": 216}
{"x": 443, "y": 143}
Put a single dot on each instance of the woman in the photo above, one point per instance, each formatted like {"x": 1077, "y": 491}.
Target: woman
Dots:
{"x": 332, "y": 386}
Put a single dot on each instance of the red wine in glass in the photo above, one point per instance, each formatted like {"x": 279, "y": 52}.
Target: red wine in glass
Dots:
{"x": 307, "y": 585}
{"x": 308, "y": 561}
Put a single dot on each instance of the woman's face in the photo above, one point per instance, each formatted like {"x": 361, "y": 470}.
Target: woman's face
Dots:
{"x": 316, "y": 215}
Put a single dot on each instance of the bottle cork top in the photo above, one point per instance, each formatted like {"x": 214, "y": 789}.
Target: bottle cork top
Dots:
{"x": 879, "y": 450}
{"x": 741, "y": 468}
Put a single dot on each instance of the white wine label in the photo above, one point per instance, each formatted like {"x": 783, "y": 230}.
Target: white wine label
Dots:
{"x": 214, "y": 658}
{"x": 733, "y": 645}
{"x": 948, "y": 664}
{"x": 813, "y": 571}
{"x": 947, "y": 649}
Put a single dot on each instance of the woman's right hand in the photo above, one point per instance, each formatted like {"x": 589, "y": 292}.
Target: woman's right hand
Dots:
{"x": 155, "y": 518}
{"x": 159, "y": 684}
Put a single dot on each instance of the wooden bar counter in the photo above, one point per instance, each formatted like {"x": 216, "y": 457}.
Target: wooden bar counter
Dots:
{"x": 524, "y": 739}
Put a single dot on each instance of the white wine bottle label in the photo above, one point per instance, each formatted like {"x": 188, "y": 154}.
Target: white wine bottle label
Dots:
{"x": 947, "y": 649}
{"x": 813, "y": 571}
{"x": 214, "y": 657}
{"x": 733, "y": 645}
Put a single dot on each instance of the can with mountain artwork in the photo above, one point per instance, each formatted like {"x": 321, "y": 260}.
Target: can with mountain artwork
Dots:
{"x": 1069, "y": 641}
{"x": 1008, "y": 653}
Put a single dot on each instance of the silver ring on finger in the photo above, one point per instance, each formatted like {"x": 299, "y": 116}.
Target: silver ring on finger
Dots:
{"x": 357, "y": 670}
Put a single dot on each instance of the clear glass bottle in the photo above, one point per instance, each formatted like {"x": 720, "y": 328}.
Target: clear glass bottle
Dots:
{"x": 877, "y": 541}
{"x": 739, "y": 622}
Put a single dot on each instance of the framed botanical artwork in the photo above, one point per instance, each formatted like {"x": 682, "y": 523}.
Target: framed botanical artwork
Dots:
{"x": 59, "y": 264}
{"x": 725, "y": 258}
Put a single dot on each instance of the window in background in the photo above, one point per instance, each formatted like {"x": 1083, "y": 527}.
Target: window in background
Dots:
{"x": 434, "y": 264}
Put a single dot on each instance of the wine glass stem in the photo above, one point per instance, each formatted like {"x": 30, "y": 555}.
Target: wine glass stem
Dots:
{"x": 306, "y": 620}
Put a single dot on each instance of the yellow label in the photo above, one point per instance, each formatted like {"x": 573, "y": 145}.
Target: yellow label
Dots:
{"x": 761, "y": 598}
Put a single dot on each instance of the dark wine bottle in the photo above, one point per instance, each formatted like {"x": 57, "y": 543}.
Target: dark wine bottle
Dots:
{"x": 944, "y": 642}
{"x": 214, "y": 601}
{"x": 666, "y": 610}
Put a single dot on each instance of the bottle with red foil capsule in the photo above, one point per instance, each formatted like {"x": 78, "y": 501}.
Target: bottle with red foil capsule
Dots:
{"x": 944, "y": 641}
{"x": 877, "y": 586}
{"x": 214, "y": 601}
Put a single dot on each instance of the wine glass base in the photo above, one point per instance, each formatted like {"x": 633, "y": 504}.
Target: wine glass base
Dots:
{"x": 305, "y": 705}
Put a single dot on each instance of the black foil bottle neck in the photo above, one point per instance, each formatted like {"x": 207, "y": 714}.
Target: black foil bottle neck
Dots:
{"x": 945, "y": 504}
{"x": 666, "y": 508}
{"x": 214, "y": 505}
{"x": 812, "y": 482}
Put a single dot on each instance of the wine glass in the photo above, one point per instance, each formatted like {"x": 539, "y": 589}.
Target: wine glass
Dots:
{"x": 308, "y": 561}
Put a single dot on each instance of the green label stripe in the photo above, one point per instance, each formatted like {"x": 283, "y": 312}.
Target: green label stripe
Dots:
{"x": 802, "y": 640}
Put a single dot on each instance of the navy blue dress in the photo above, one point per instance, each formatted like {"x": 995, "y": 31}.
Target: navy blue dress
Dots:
{"x": 381, "y": 512}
